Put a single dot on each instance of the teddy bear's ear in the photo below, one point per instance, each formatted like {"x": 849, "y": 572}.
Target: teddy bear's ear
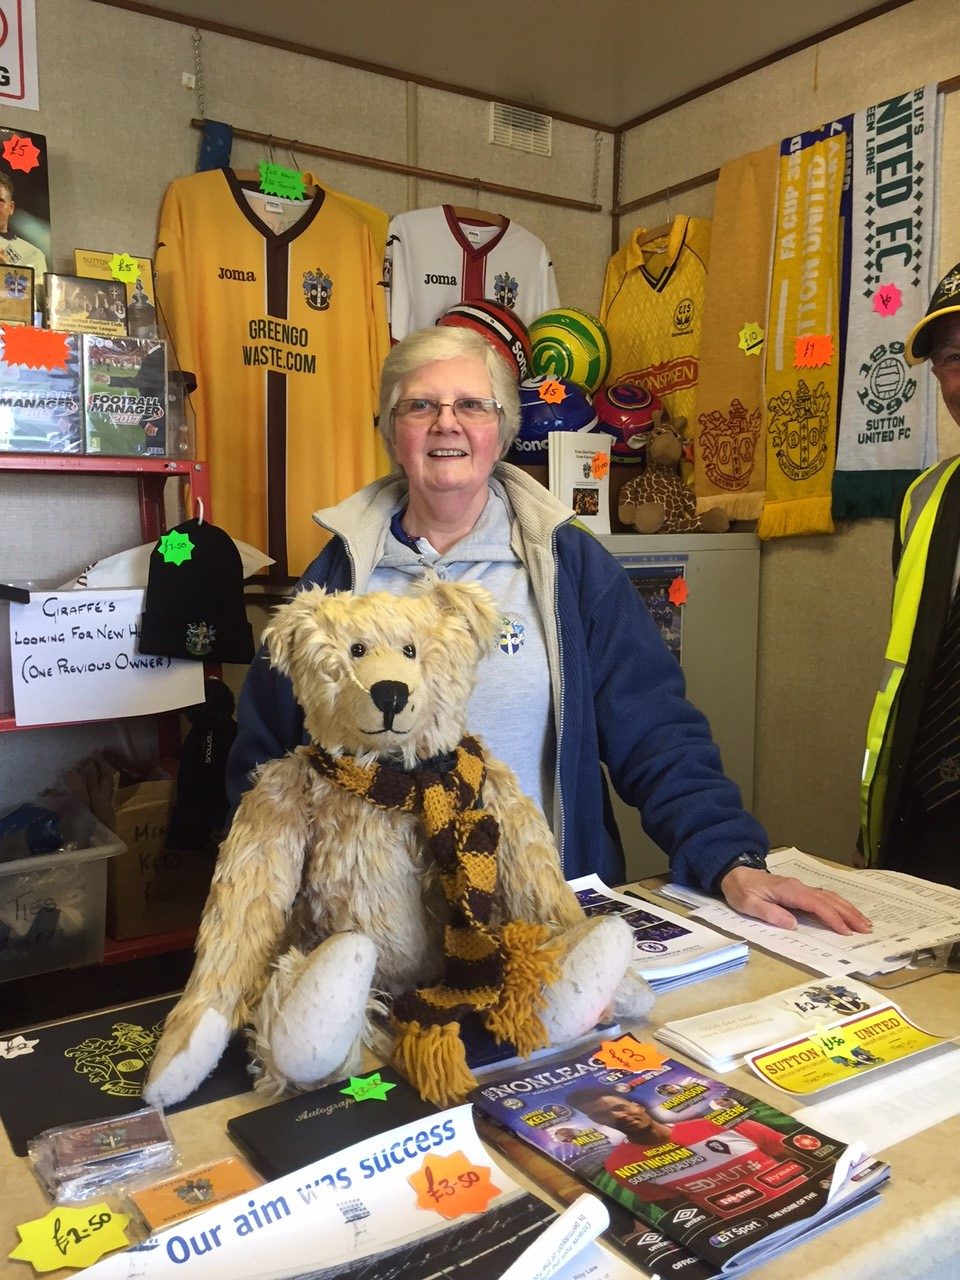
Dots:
{"x": 292, "y": 625}
{"x": 470, "y": 602}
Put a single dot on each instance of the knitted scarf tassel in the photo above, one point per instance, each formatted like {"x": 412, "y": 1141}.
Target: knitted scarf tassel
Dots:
{"x": 498, "y": 975}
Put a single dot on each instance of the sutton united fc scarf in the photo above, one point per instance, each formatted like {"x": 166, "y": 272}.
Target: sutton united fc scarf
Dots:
{"x": 888, "y": 415}
{"x": 802, "y": 361}
{"x": 728, "y": 455}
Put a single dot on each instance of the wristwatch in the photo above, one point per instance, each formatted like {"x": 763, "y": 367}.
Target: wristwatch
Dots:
{"x": 756, "y": 860}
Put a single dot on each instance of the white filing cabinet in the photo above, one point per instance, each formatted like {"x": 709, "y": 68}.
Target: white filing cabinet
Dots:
{"x": 718, "y": 649}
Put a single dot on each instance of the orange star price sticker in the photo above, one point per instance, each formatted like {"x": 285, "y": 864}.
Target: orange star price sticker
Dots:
{"x": 453, "y": 1185}
{"x": 813, "y": 352}
{"x": 552, "y": 392}
{"x": 35, "y": 348}
{"x": 20, "y": 153}
{"x": 630, "y": 1054}
{"x": 677, "y": 592}
{"x": 599, "y": 465}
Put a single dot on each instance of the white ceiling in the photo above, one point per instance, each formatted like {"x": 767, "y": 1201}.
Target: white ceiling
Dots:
{"x": 600, "y": 60}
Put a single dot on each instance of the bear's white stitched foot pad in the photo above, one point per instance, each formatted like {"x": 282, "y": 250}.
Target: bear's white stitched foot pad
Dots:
{"x": 322, "y": 1017}
{"x": 589, "y": 974}
{"x": 634, "y": 997}
{"x": 187, "y": 1069}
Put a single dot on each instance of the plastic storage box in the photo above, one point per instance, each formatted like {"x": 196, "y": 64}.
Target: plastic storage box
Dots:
{"x": 52, "y": 905}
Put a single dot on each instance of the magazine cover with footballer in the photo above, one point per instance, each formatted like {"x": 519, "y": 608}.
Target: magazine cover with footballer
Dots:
{"x": 725, "y": 1175}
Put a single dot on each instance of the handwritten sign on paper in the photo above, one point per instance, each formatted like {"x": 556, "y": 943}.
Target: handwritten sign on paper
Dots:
{"x": 74, "y": 657}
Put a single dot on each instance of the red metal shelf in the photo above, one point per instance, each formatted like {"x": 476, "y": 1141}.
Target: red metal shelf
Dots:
{"x": 155, "y": 944}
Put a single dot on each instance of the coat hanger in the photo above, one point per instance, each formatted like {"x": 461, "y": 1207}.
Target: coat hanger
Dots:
{"x": 469, "y": 213}
{"x": 660, "y": 231}
{"x": 655, "y": 233}
{"x": 465, "y": 213}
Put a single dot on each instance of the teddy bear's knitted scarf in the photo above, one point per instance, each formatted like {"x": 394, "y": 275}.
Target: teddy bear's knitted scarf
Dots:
{"x": 499, "y": 973}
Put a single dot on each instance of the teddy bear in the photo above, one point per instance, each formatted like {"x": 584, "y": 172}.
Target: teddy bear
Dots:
{"x": 390, "y": 863}
{"x": 657, "y": 500}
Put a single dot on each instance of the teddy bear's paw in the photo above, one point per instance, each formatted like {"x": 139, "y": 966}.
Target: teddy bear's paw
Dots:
{"x": 319, "y": 1024}
{"x": 589, "y": 974}
{"x": 174, "y": 1075}
{"x": 634, "y": 997}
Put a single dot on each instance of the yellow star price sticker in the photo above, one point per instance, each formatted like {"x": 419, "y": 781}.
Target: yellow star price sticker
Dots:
{"x": 751, "y": 339}
{"x": 71, "y": 1237}
{"x": 123, "y": 267}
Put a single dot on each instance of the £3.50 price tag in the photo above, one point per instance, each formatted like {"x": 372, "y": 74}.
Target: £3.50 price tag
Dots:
{"x": 453, "y": 1185}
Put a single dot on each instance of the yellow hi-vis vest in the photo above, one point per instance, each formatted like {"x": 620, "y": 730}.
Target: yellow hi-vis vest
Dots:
{"x": 917, "y": 516}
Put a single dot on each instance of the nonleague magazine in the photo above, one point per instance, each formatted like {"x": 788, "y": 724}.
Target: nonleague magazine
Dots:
{"x": 726, "y": 1176}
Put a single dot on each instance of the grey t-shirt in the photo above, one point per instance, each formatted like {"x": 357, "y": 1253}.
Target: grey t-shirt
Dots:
{"x": 511, "y": 706}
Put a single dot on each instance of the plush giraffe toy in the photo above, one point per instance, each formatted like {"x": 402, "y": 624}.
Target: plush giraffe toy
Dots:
{"x": 657, "y": 500}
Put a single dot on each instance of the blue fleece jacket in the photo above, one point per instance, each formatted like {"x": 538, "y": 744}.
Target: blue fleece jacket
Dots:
{"x": 619, "y": 694}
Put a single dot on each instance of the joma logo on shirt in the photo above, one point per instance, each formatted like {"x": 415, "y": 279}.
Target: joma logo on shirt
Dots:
{"x": 434, "y": 279}
{"x": 231, "y": 273}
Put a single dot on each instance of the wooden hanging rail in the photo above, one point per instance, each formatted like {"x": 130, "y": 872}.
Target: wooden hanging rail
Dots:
{"x": 408, "y": 170}
{"x": 701, "y": 179}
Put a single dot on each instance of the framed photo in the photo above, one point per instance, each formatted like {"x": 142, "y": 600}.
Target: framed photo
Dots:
{"x": 81, "y": 304}
{"x": 16, "y": 294}
{"x": 141, "y": 305}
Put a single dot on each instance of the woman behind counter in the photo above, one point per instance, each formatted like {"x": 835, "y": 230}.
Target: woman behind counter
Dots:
{"x": 581, "y": 675}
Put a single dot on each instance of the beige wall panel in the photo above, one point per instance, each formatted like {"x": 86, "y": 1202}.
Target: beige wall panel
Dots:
{"x": 293, "y": 96}
{"x": 578, "y": 241}
{"x": 824, "y": 601}
{"x": 913, "y": 45}
{"x": 824, "y": 615}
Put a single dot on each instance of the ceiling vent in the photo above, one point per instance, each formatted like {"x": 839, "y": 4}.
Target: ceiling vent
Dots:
{"x": 523, "y": 130}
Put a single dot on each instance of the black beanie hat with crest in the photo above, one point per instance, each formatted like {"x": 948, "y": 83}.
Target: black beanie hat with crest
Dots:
{"x": 194, "y": 606}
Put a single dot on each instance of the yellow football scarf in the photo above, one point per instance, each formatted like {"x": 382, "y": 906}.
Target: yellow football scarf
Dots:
{"x": 728, "y": 454}
{"x": 802, "y": 344}
{"x": 498, "y": 974}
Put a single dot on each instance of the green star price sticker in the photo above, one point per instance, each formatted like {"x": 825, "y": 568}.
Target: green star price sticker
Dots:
{"x": 175, "y": 547}
{"x": 361, "y": 1088}
{"x": 275, "y": 180}
{"x": 123, "y": 267}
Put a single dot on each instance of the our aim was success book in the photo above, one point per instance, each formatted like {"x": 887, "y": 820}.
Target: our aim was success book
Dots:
{"x": 728, "y": 1177}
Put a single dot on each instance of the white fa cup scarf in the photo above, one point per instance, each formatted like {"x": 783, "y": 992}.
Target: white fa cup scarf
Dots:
{"x": 888, "y": 430}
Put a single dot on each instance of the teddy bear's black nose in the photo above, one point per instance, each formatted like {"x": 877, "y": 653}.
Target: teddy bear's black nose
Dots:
{"x": 390, "y": 697}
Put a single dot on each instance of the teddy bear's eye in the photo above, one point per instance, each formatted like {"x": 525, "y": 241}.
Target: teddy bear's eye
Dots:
{"x": 357, "y": 649}
{"x": 409, "y": 650}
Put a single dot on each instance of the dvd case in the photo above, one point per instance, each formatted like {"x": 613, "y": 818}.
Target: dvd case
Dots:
{"x": 41, "y": 410}
{"x": 126, "y": 396}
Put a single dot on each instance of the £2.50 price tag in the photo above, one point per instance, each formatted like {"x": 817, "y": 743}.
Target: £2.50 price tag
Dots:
{"x": 71, "y": 1237}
